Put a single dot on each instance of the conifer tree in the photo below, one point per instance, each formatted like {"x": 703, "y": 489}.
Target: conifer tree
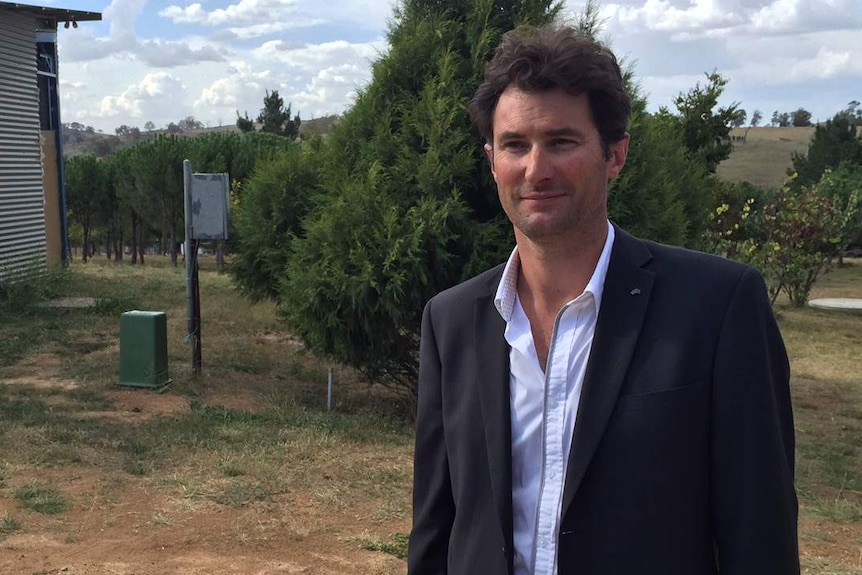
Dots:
{"x": 409, "y": 197}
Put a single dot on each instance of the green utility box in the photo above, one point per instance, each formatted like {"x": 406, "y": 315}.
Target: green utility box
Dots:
{"x": 144, "y": 349}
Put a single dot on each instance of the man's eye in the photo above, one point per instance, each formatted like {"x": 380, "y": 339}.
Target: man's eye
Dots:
{"x": 564, "y": 143}
{"x": 514, "y": 145}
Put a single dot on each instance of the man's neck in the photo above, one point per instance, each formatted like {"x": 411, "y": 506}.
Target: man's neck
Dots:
{"x": 554, "y": 273}
{"x": 551, "y": 274}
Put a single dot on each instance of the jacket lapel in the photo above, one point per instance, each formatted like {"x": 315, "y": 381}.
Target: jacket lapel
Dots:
{"x": 492, "y": 376}
{"x": 624, "y": 304}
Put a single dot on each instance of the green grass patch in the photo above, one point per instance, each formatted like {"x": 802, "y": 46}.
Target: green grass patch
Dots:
{"x": 41, "y": 498}
{"x": 8, "y": 524}
{"x": 395, "y": 546}
{"x": 242, "y": 493}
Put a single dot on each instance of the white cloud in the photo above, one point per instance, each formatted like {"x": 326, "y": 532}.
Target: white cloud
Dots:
{"x": 332, "y": 90}
{"x": 157, "y": 53}
{"x": 244, "y": 12}
{"x": 776, "y": 53}
{"x": 662, "y": 15}
{"x": 724, "y": 18}
{"x": 317, "y": 56}
{"x": 66, "y": 84}
{"x": 823, "y": 65}
{"x": 247, "y": 15}
{"x": 271, "y": 28}
{"x": 234, "y": 93}
{"x": 790, "y": 16}
{"x": 144, "y": 100}
{"x": 191, "y": 14}
{"x": 123, "y": 42}
{"x": 826, "y": 64}
{"x": 122, "y": 15}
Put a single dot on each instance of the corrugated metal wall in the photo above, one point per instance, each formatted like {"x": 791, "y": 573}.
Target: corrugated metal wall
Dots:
{"x": 22, "y": 210}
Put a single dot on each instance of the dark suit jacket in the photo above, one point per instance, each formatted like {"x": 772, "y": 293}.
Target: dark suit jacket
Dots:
{"x": 683, "y": 450}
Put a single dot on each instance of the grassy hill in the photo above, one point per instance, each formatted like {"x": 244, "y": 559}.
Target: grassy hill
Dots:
{"x": 765, "y": 156}
{"x": 80, "y": 142}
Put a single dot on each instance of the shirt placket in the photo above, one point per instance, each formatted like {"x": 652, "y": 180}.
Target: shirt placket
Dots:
{"x": 554, "y": 416}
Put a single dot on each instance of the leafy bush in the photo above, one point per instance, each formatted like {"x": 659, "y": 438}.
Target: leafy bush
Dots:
{"x": 792, "y": 238}
{"x": 356, "y": 283}
{"x": 267, "y": 218}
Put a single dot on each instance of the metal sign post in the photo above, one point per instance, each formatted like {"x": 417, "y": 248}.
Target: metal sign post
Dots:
{"x": 192, "y": 284}
{"x": 207, "y": 217}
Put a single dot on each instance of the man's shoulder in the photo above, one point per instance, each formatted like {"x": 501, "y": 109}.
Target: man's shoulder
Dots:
{"x": 484, "y": 284}
{"x": 690, "y": 263}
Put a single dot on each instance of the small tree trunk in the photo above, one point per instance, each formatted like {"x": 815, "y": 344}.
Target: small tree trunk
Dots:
{"x": 86, "y": 249}
{"x": 141, "y": 227}
{"x": 220, "y": 257}
{"x": 173, "y": 246}
{"x": 134, "y": 237}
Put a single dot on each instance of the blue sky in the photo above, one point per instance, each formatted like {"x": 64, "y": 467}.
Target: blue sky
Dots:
{"x": 164, "y": 60}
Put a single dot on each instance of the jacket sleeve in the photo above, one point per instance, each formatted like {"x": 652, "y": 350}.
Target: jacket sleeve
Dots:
{"x": 433, "y": 504}
{"x": 753, "y": 500}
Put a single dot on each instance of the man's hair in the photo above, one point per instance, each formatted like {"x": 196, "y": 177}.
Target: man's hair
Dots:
{"x": 551, "y": 58}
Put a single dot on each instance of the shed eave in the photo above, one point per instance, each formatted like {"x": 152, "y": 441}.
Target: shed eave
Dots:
{"x": 55, "y": 14}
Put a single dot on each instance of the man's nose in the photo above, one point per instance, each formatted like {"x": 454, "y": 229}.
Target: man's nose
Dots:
{"x": 538, "y": 166}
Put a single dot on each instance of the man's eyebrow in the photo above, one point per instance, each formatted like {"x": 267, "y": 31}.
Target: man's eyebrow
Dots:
{"x": 555, "y": 133}
{"x": 563, "y": 132}
{"x": 508, "y": 135}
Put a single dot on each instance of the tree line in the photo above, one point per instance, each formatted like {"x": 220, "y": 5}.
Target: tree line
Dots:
{"x": 134, "y": 198}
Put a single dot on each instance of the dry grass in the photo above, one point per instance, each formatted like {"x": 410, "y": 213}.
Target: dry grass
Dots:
{"x": 244, "y": 457}
{"x": 765, "y": 156}
{"x": 825, "y": 345}
{"x": 247, "y": 444}
{"x": 824, "y": 349}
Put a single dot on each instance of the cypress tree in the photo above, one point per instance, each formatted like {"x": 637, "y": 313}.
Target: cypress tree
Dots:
{"x": 408, "y": 195}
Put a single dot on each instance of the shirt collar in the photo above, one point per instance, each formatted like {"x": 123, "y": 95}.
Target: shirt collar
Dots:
{"x": 507, "y": 289}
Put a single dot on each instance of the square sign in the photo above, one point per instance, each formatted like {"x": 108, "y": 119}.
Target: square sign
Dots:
{"x": 210, "y": 207}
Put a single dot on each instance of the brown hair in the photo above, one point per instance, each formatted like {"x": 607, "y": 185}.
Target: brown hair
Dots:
{"x": 550, "y": 58}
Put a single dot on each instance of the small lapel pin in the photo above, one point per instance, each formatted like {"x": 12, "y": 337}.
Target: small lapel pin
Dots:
{"x": 636, "y": 291}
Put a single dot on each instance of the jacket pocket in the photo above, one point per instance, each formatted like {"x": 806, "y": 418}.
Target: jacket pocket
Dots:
{"x": 667, "y": 398}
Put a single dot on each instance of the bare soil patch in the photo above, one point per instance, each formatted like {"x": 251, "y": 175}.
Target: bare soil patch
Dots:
{"x": 122, "y": 524}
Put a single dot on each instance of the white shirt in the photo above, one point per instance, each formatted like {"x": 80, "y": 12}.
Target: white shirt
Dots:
{"x": 544, "y": 406}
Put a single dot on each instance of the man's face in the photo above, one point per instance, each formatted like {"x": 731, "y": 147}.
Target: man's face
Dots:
{"x": 549, "y": 165}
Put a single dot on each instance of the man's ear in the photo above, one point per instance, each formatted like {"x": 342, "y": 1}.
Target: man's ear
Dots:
{"x": 619, "y": 152}
{"x": 489, "y": 153}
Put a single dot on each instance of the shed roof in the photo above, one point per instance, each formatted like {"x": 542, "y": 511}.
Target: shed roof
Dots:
{"x": 54, "y": 14}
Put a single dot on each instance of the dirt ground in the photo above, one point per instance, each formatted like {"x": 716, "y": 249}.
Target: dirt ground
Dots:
{"x": 131, "y": 525}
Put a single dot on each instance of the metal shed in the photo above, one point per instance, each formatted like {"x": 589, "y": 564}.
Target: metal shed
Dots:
{"x": 32, "y": 202}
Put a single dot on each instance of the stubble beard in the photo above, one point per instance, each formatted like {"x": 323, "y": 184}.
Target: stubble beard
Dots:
{"x": 553, "y": 223}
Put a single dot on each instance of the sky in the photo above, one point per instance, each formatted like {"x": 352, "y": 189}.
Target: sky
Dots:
{"x": 164, "y": 60}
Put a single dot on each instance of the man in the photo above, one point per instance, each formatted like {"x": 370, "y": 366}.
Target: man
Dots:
{"x": 599, "y": 404}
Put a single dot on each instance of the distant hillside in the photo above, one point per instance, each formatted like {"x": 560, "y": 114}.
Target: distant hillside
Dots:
{"x": 78, "y": 142}
{"x": 81, "y": 142}
{"x": 765, "y": 156}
